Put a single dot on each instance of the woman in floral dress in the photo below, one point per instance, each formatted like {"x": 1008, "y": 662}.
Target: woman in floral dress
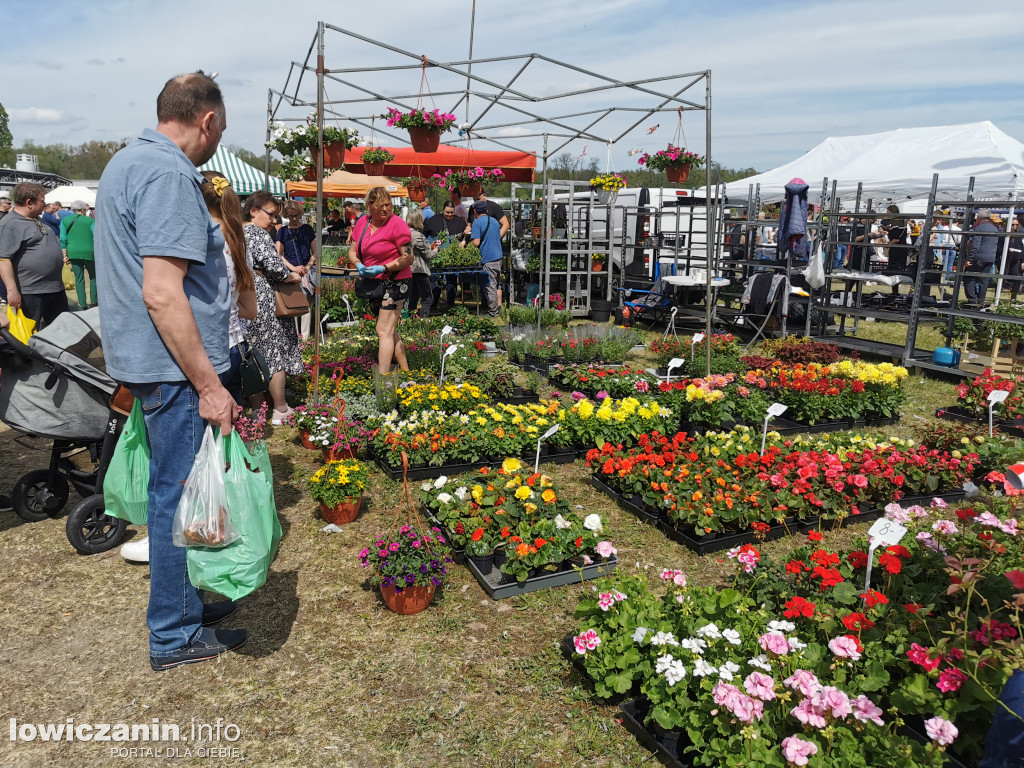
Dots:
{"x": 274, "y": 337}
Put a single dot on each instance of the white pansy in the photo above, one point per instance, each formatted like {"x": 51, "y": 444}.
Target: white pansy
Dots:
{"x": 592, "y": 522}
{"x": 732, "y": 635}
{"x": 761, "y": 662}
{"x": 640, "y": 634}
{"x": 561, "y": 522}
{"x": 710, "y": 630}
{"x": 703, "y": 669}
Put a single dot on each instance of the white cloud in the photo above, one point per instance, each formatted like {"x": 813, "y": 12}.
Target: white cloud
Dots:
{"x": 37, "y": 115}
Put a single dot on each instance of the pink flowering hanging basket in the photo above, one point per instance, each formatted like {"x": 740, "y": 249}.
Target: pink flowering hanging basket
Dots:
{"x": 424, "y": 139}
{"x": 677, "y": 174}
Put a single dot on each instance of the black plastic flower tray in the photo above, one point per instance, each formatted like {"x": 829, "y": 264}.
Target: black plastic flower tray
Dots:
{"x": 541, "y": 364}
{"x": 870, "y": 515}
{"x": 495, "y": 589}
{"x": 668, "y": 747}
{"x": 527, "y": 399}
{"x": 634, "y": 509}
{"x": 554, "y": 456}
{"x": 785, "y": 426}
{"x": 958, "y": 413}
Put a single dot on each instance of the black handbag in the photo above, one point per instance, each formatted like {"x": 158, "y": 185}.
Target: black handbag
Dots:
{"x": 254, "y": 371}
{"x": 370, "y": 288}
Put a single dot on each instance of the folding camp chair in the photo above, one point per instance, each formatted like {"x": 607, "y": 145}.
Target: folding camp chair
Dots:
{"x": 766, "y": 302}
{"x": 654, "y": 306}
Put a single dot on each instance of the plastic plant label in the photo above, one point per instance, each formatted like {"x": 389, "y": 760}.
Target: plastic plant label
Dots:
{"x": 676, "y": 362}
{"x": 997, "y": 395}
{"x": 444, "y": 331}
{"x": 888, "y": 531}
{"x": 777, "y": 409}
{"x": 698, "y": 338}
{"x": 451, "y": 350}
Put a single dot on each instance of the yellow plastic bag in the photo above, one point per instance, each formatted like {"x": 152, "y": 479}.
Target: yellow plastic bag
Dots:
{"x": 22, "y": 328}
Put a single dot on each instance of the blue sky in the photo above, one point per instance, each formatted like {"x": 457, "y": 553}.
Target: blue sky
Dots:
{"x": 785, "y": 75}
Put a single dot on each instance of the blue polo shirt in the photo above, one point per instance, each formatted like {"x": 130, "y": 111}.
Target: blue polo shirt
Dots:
{"x": 149, "y": 204}
{"x": 490, "y": 244}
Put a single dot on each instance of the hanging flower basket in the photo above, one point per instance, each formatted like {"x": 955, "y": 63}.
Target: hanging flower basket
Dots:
{"x": 677, "y": 174}
{"x": 409, "y": 601}
{"x": 424, "y": 139}
{"x": 306, "y": 442}
{"x": 606, "y": 196}
{"x": 310, "y": 174}
{"x": 373, "y": 169}
{"x": 472, "y": 189}
{"x": 343, "y": 512}
{"x": 417, "y": 195}
{"x": 337, "y": 454}
{"x": 334, "y": 155}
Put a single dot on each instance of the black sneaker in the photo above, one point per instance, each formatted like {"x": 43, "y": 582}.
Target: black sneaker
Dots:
{"x": 214, "y": 613}
{"x": 211, "y": 644}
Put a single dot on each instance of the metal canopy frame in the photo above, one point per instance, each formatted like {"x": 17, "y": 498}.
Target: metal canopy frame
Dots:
{"x": 518, "y": 111}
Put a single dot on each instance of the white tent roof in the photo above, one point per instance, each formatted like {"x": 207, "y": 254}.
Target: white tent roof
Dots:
{"x": 897, "y": 165}
{"x": 68, "y": 195}
{"x": 243, "y": 177}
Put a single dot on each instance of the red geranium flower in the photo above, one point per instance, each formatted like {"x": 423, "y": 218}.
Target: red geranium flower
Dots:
{"x": 814, "y": 536}
{"x": 477, "y": 534}
{"x": 855, "y": 622}
{"x": 873, "y": 597}
{"x": 858, "y": 559}
{"x": 797, "y": 607}
{"x": 796, "y": 566}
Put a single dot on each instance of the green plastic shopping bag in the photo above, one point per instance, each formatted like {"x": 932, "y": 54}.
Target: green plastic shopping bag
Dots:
{"x": 241, "y": 567}
{"x": 126, "y": 484}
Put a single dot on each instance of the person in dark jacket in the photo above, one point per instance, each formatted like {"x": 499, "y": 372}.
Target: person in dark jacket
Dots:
{"x": 981, "y": 257}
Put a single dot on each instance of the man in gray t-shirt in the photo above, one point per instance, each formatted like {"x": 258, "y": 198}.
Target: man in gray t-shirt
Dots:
{"x": 31, "y": 259}
{"x": 981, "y": 256}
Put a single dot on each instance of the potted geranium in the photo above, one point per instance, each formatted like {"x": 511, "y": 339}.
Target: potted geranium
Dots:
{"x": 607, "y": 186}
{"x": 675, "y": 161}
{"x": 468, "y": 181}
{"x": 338, "y": 488}
{"x": 425, "y": 127}
{"x": 417, "y": 188}
{"x": 374, "y": 159}
{"x": 408, "y": 566}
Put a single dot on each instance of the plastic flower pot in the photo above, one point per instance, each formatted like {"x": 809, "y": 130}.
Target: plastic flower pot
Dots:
{"x": 306, "y": 442}
{"x": 597, "y": 266}
{"x": 310, "y": 174}
{"x": 677, "y": 174}
{"x": 409, "y": 601}
{"x": 417, "y": 194}
{"x": 334, "y": 155}
{"x": 607, "y": 196}
{"x": 337, "y": 454}
{"x": 424, "y": 139}
{"x": 343, "y": 512}
{"x": 483, "y": 563}
{"x": 373, "y": 169}
{"x": 470, "y": 190}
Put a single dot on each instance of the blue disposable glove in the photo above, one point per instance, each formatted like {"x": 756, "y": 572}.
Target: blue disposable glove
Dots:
{"x": 365, "y": 271}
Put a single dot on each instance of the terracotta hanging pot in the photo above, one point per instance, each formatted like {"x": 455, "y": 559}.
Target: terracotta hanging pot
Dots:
{"x": 373, "y": 169}
{"x": 424, "y": 139}
{"x": 409, "y": 601}
{"x": 310, "y": 174}
{"x": 334, "y": 155}
{"x": 470, "y": 190}
{"x": 344, "y": 512}
{"x": 337, "y": 454}
{"x": 417, "y": 194}
{"x": 677, "y": 174}
{"x": 306, "y": 442}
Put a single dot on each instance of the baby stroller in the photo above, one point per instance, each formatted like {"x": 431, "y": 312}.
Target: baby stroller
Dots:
{"x": 52, "y": 388}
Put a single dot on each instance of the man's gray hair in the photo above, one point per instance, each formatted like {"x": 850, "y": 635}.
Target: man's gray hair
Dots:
{"x": 185, "y": 98}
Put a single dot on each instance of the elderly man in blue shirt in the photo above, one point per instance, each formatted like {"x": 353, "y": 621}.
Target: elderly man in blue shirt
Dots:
{"x": 164, "y": 303}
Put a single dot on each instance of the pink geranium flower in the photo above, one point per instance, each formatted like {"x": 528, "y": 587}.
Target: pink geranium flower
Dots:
{"x": 845, "y": 646}
{"x": 760, "y": 686}
{"x": 864, "y": 710}
{"x": 587, "y": 641}
{"x": 941, "y": 731}
{"x": 774, "y": 642}
{"x": 797, "y": 750}
{"x": 605, "y": 549}
{"x": 804, "y": 681}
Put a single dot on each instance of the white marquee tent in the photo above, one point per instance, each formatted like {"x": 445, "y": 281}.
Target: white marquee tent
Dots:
{"x": 898, "y": 165}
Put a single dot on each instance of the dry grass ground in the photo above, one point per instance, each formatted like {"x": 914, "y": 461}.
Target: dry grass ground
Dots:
{"x": 329, "y": 677}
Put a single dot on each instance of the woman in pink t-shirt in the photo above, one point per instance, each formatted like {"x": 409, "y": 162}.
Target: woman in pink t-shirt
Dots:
{"x": 382, "y": 249}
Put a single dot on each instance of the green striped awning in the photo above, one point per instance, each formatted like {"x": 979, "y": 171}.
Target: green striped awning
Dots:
{"x": 243, "y": 177}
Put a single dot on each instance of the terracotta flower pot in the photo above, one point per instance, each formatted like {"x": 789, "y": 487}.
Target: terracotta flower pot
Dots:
{"x": 344, "y": 512}
{"x": 334, "y": 155}
{"x": 677, "y": 174}
{"x": 310, "y": 174}
{"x": 332, "y": 454}
{"x": 597, "y": 266}
{"x": 306, "y": 442}
{"x": 409, "y": 601}
{"x": 373, "y": 169}
{"x": 470, "y": 190}
{"x": 417, "y": 194}
{"x": 424, "y": 139}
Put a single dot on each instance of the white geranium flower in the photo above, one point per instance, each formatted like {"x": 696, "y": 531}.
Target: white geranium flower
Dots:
{"x": 461, "y": 493}
{"x": 675, "y": 672}
{"x": 728, "y": 670}
{"x": 732, "y": 636}
{"x": 426, "y": 486}
{"x": 664, "y": 638}
{"x": 703, "y": 669}
{"x": 693, "y": 644}
{"x": 795, "y": 643}
{"x": 710, "y": 630}
{"x": 439, "y": 483}
{"x": 561, "y": 522}
{"x": 640, "y": 634}
{"x": 592, "y": 522}
{"x": 663, "y": 663}
{"x": 781, "y": 626}
{"x": 761, "y": 662}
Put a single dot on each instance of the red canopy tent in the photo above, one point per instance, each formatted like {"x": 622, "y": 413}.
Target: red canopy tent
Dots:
{"x": 517, "y": 166}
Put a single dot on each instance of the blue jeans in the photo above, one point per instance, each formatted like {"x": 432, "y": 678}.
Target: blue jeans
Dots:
{"x": 175, "y": 432}
{"x": 840, "y": 257}
{"x": 976, "y": 288}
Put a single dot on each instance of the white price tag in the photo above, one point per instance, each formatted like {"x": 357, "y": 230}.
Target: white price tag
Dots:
{"x": 997, "y": 395}
{"x": 777, "y": 409}
{"x": 887, "y": 530}
{"x": 446, "y": 330}
{"x": 451, "y": 350}
{"x": 550, "y": 432}
{"x": 698, "y": 338}
{"x": 676, "y": 362}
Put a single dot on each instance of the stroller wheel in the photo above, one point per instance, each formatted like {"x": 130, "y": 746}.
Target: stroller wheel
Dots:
{"x": 35, "y": 499}
{"x": 90, "y": 530}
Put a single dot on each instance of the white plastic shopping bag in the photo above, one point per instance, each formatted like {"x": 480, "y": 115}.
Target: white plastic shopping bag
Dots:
{"x": 815, "y": 272}
{"x": 201, "y": 519}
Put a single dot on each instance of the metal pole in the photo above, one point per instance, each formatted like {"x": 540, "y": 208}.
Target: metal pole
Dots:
{"x": 469, "y": 67}
{"x": 319, "y": 203}
{"x": 266, "y": 149}
{"x": 708, "y": 222}
{"x": 545, "y": 240}
{"x": 1002, "y": 261}
{"x": 919, "y": 280}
